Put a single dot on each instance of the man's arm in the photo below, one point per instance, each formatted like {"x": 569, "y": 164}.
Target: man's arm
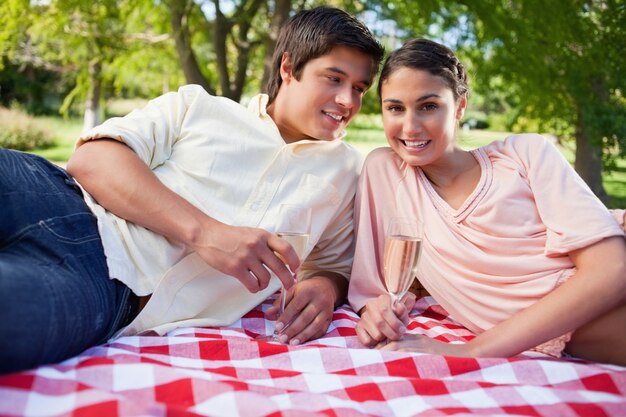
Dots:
{"x": 124, "y": 185}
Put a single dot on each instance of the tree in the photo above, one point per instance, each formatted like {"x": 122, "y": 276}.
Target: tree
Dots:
{"x": 234, "y": 37}
{"x": 83, "y": 36}
{"x": 560, "y": 63}
{"x": 23, "y": 71}
{"x": 94, "y": 45}
{"x": 566, "y": 63}
{"x": 242, "y": 34}
{"x": 181, "y": 27}
{"x": 280, "y": 14}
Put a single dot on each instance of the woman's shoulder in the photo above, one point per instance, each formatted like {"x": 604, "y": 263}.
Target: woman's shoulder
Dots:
{"x": 520, "y": 142}
{"x": 524, "y": 147}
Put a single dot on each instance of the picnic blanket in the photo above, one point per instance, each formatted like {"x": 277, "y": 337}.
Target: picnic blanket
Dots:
{"x": 227, "y": 372}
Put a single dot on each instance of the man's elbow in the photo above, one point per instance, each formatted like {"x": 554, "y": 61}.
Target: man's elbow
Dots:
{"x": 77, "y": 165}
{"x": 88, "y": 156}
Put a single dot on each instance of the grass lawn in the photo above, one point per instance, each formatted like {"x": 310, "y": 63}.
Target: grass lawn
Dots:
{"x": 364, "y": 134}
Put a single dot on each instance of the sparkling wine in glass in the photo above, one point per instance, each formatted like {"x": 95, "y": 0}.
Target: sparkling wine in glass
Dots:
{"x": 294, "y": 224}
{"x": 403, "y": 242}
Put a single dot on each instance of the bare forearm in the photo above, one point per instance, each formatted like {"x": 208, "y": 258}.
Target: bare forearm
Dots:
{"x": 126, "y": 186}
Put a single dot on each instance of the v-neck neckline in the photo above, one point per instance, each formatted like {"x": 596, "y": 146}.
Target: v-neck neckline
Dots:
{"x": 458, "y": 215}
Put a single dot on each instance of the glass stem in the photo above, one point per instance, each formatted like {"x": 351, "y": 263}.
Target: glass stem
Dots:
{"x": 283, "y": 299}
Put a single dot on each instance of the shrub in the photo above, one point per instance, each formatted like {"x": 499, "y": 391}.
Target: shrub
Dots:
{"x": 19, "y": 131}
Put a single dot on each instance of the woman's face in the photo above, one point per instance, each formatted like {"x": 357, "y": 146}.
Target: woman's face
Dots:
{"x": 420, "y": 116}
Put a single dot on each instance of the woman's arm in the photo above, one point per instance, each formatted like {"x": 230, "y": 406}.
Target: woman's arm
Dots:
{"x": 124, "y": 185}
{"x": 598, "y": 286}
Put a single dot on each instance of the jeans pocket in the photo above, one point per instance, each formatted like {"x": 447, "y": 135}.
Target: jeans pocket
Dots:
{"x": 73, "y": 229}
{"x": 53, "y": 235}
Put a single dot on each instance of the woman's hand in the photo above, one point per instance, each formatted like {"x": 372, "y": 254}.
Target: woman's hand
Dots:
{"x": 380, "y": 322}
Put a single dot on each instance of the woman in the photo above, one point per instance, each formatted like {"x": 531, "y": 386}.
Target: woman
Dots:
{"x": 516, "y": 248}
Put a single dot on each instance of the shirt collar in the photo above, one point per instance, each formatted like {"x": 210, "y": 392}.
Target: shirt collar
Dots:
{"x": 258, "y": 106}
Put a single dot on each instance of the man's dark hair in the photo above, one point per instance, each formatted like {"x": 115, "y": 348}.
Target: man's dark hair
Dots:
{"x": 309, "y": 34}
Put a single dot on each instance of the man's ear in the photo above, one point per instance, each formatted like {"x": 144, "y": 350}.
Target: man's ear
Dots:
{"x": 286, "y": 69}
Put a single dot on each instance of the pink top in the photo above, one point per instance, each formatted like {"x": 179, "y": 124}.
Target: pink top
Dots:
{"x": 502, "y": 250}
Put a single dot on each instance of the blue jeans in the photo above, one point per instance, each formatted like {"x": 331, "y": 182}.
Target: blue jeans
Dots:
{"x": 56, "y": 297}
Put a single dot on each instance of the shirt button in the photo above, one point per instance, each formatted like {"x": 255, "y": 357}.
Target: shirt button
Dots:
{"x": 254, "y": 207}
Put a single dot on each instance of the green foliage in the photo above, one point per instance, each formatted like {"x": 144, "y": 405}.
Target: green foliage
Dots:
{"x": 19, "y": 131}
{"x": 560, "y": 63}
{"x": 38, "y": 90}
{"x": 555, "y": 67}
{"x": 127, "y": 39}
{"x": 23, "y": 139}
{"x": 367, "y": 121}
{"x": 14, "y": 20}
{"x": 371, "y": 102}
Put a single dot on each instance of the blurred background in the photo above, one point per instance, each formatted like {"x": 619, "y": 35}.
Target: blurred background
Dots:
{"x": 556, "y": 67}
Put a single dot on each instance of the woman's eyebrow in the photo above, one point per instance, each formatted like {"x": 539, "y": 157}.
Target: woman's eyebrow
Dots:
{"x": 422, "y": 98}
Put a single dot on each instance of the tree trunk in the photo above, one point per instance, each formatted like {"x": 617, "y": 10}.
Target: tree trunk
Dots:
{"x": 589, "y": 160}
{"x": 232, "y": 86}
{"x": 283, "y": 7}
{"x": 244, "y": 47}
{"x": 29, "y": 74}
{"x": 222, "y": 27}
{"x": 178, "y": 17}
{"x": 93, "y": 116}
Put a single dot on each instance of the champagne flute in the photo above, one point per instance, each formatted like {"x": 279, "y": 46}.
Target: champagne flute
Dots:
{"x": 403, "y": 242}
{"x": 294, "y": 224}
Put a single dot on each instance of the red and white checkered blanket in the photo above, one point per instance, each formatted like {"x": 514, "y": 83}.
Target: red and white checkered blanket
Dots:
{"x": 227, "y": 372}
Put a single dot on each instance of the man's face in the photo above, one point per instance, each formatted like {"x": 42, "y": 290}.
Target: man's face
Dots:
{"x": 325, "y": 99}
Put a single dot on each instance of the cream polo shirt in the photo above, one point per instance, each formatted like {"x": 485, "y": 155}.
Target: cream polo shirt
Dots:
{"x": 502, "y": 250}
{"x": 232, "y": 163}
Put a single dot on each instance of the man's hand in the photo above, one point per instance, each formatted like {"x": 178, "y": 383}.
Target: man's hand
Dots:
{"x": 248, "y": 254}
{"x": 379, "y": 322}
{"x": 309, "y": 308}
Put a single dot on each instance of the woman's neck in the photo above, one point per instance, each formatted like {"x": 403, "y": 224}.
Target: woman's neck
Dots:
{"x": 449, "y": 168}
{"x": 454, "y": 177}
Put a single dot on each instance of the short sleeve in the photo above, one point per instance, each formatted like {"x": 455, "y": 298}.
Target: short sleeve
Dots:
{"x": 573, "y": 215}
{"x": 152, "y": 131}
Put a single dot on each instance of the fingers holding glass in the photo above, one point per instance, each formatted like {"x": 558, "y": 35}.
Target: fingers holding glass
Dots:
{"x": 293, "y": 226}
{"x": 403, "y": 242}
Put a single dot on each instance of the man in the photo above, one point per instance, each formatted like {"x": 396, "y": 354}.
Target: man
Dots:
{"x": 186, "y": 193}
